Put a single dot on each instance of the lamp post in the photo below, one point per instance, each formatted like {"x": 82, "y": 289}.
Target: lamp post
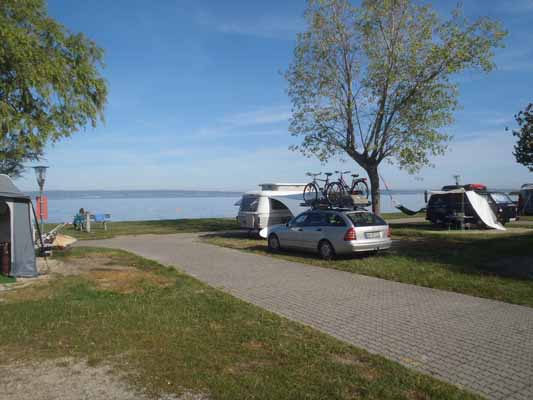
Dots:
{"x": 462, "y": 214}
{"x": 40, "y": 174}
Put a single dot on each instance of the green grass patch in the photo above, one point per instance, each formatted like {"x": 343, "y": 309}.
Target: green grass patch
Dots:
{"x": 400, "y": 215}
{"x": 186, "y": 336}
{"x": 6, "y": 279}
{"x": 492, "y": 266}
{"x": 428, "y": 230}
{"x": 158, "y": 227}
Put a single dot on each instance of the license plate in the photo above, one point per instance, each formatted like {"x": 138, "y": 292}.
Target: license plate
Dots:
{"x": 512, "y": 219}
{"x": 372, "y": 235}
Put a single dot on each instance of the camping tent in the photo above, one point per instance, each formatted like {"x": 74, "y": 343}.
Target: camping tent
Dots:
{"x": 16, "y": 228}
{"x": 526, "y": 199}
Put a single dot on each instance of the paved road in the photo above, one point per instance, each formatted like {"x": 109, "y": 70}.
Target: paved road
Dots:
{"x": 483, "y": 345}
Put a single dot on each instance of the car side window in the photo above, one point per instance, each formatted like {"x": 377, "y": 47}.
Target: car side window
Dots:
{"x": 300, "y": 220}
{"x": 335, "y": 220}
{"x": 316, "y": 219}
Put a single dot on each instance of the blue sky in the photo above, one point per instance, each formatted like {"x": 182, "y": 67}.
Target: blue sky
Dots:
{"x": 197, "y": 99}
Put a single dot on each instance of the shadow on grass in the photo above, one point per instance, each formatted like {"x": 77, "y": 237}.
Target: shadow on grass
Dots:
{"x": 504, "y": 256}
{"x": 478, "y": 253}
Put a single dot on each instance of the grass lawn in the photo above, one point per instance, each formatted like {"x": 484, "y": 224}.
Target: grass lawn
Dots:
{"x": 494, "y": 266}
{"x": 6, "y": 279}
{"x": 400, "y": 215}
{"x": 161, "y": 227}
{"x": 169, "y": 333}
{"x": 151, "y": 227}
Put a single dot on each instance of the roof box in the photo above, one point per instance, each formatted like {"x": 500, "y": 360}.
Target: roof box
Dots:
{"x": 475, "y": 186}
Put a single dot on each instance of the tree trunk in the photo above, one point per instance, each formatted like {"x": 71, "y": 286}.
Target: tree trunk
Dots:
{"x": 372, "y": 172}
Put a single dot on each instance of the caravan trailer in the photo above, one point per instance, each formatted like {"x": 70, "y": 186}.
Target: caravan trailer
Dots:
{"x": 275, "y": 203}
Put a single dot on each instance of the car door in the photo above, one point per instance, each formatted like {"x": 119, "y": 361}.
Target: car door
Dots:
{"x": 292, "y": 236}
{"x": 313, "y": 230}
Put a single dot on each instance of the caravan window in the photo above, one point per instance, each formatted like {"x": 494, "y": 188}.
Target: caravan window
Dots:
{"x": 277, "y": 205}
{"x": 249, "y": 203}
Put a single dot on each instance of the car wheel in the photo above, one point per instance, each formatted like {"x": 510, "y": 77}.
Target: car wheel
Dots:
{"x": 273, "y": 243}
{"x": 326, "y": 250}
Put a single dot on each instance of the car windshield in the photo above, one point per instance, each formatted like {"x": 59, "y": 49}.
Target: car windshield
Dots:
{"x": 249, "y": 203}
{"x": 365, "y": 219}
{"x": 501, "y": 198}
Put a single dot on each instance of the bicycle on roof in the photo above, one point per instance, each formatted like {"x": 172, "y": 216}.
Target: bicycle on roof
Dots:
{"x": 337, "y": 191}
{"x": 313, "y": 193}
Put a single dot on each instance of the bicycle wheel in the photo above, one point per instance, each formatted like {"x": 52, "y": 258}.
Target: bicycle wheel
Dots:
{"x": 310, "y": 193}
{"x": 361, "y": 188}
{"x": 335, "y": 193}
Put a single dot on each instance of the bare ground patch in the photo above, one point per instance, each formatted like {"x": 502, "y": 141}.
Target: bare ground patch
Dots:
{"x": 101, "y": 270}
{"x": 67, "y": 379}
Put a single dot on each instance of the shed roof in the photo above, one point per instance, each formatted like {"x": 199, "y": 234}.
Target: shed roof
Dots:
{"x": 9, "y": 190}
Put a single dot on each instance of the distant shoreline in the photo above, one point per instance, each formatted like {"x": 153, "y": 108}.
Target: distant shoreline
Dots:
{"x": 147, "y": 194}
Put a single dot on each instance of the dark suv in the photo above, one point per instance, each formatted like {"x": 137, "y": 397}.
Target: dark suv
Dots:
{"x": 446, "y": 208}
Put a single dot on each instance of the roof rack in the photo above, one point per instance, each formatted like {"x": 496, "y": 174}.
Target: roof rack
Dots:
{"x": 327, "y": 206}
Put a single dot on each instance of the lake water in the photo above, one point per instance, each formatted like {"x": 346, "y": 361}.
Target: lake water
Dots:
{"x": 154, "y": 205}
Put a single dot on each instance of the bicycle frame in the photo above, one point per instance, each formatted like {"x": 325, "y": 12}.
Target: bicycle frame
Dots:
{"x": 355, "y": 181}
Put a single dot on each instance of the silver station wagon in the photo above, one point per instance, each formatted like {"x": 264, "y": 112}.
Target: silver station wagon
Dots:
{"x": 332, "y": 232}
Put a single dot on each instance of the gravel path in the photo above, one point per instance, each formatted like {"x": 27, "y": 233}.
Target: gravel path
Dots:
{"x": 483, "y": 345}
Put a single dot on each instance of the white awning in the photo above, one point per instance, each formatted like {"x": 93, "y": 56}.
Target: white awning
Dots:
{"x": 483, "y": 210}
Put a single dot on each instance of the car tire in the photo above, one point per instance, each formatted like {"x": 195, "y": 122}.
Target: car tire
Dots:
{"x": 326, "y": 250}
{"x": 273, "y": 243}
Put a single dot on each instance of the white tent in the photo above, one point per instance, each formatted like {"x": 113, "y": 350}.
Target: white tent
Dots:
{"x": 16, "y": 228}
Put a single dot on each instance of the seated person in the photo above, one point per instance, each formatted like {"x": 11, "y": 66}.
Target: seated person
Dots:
{"x": 79, "y": 219}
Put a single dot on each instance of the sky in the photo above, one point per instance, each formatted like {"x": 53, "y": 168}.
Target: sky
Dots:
{"x": 197, "y": 99}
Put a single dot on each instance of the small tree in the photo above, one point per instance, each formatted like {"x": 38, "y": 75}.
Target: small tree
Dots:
{"x": 523, "y": 150}
{"x": 373, "y": 82}
{"x": 50, "y": 85}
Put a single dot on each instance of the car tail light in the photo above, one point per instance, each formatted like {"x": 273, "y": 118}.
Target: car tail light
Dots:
{"x": 389, "y": 232}
{"x": 350, "y": 235}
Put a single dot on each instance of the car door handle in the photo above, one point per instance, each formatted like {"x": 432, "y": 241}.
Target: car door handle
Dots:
{"x": 319, "y": 230}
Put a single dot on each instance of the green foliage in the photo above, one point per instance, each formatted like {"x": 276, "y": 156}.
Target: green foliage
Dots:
{"x": 523, "y": 150}
{"x": 373, "y": 82}
{"x": 50, "y": 83}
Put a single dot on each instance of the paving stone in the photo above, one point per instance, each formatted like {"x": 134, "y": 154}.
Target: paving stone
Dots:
{"x": 483, "y": 345}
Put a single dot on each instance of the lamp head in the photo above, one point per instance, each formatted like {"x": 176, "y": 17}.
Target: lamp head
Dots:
{"x": 40, "y": 174}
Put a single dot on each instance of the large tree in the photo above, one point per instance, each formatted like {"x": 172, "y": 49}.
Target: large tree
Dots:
{"x": 523, "y": 150}
{"x": 373, "y": 82}
{"x": 50, "y": 82}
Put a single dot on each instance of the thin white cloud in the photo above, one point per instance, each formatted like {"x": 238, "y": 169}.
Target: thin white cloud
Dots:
{"x": 264, "y": 26}
{"x": 261, "y": 116}
{"x": 259, "y": 121}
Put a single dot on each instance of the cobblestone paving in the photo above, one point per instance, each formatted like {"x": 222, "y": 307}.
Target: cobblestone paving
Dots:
{"x": 482, "y": 345}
